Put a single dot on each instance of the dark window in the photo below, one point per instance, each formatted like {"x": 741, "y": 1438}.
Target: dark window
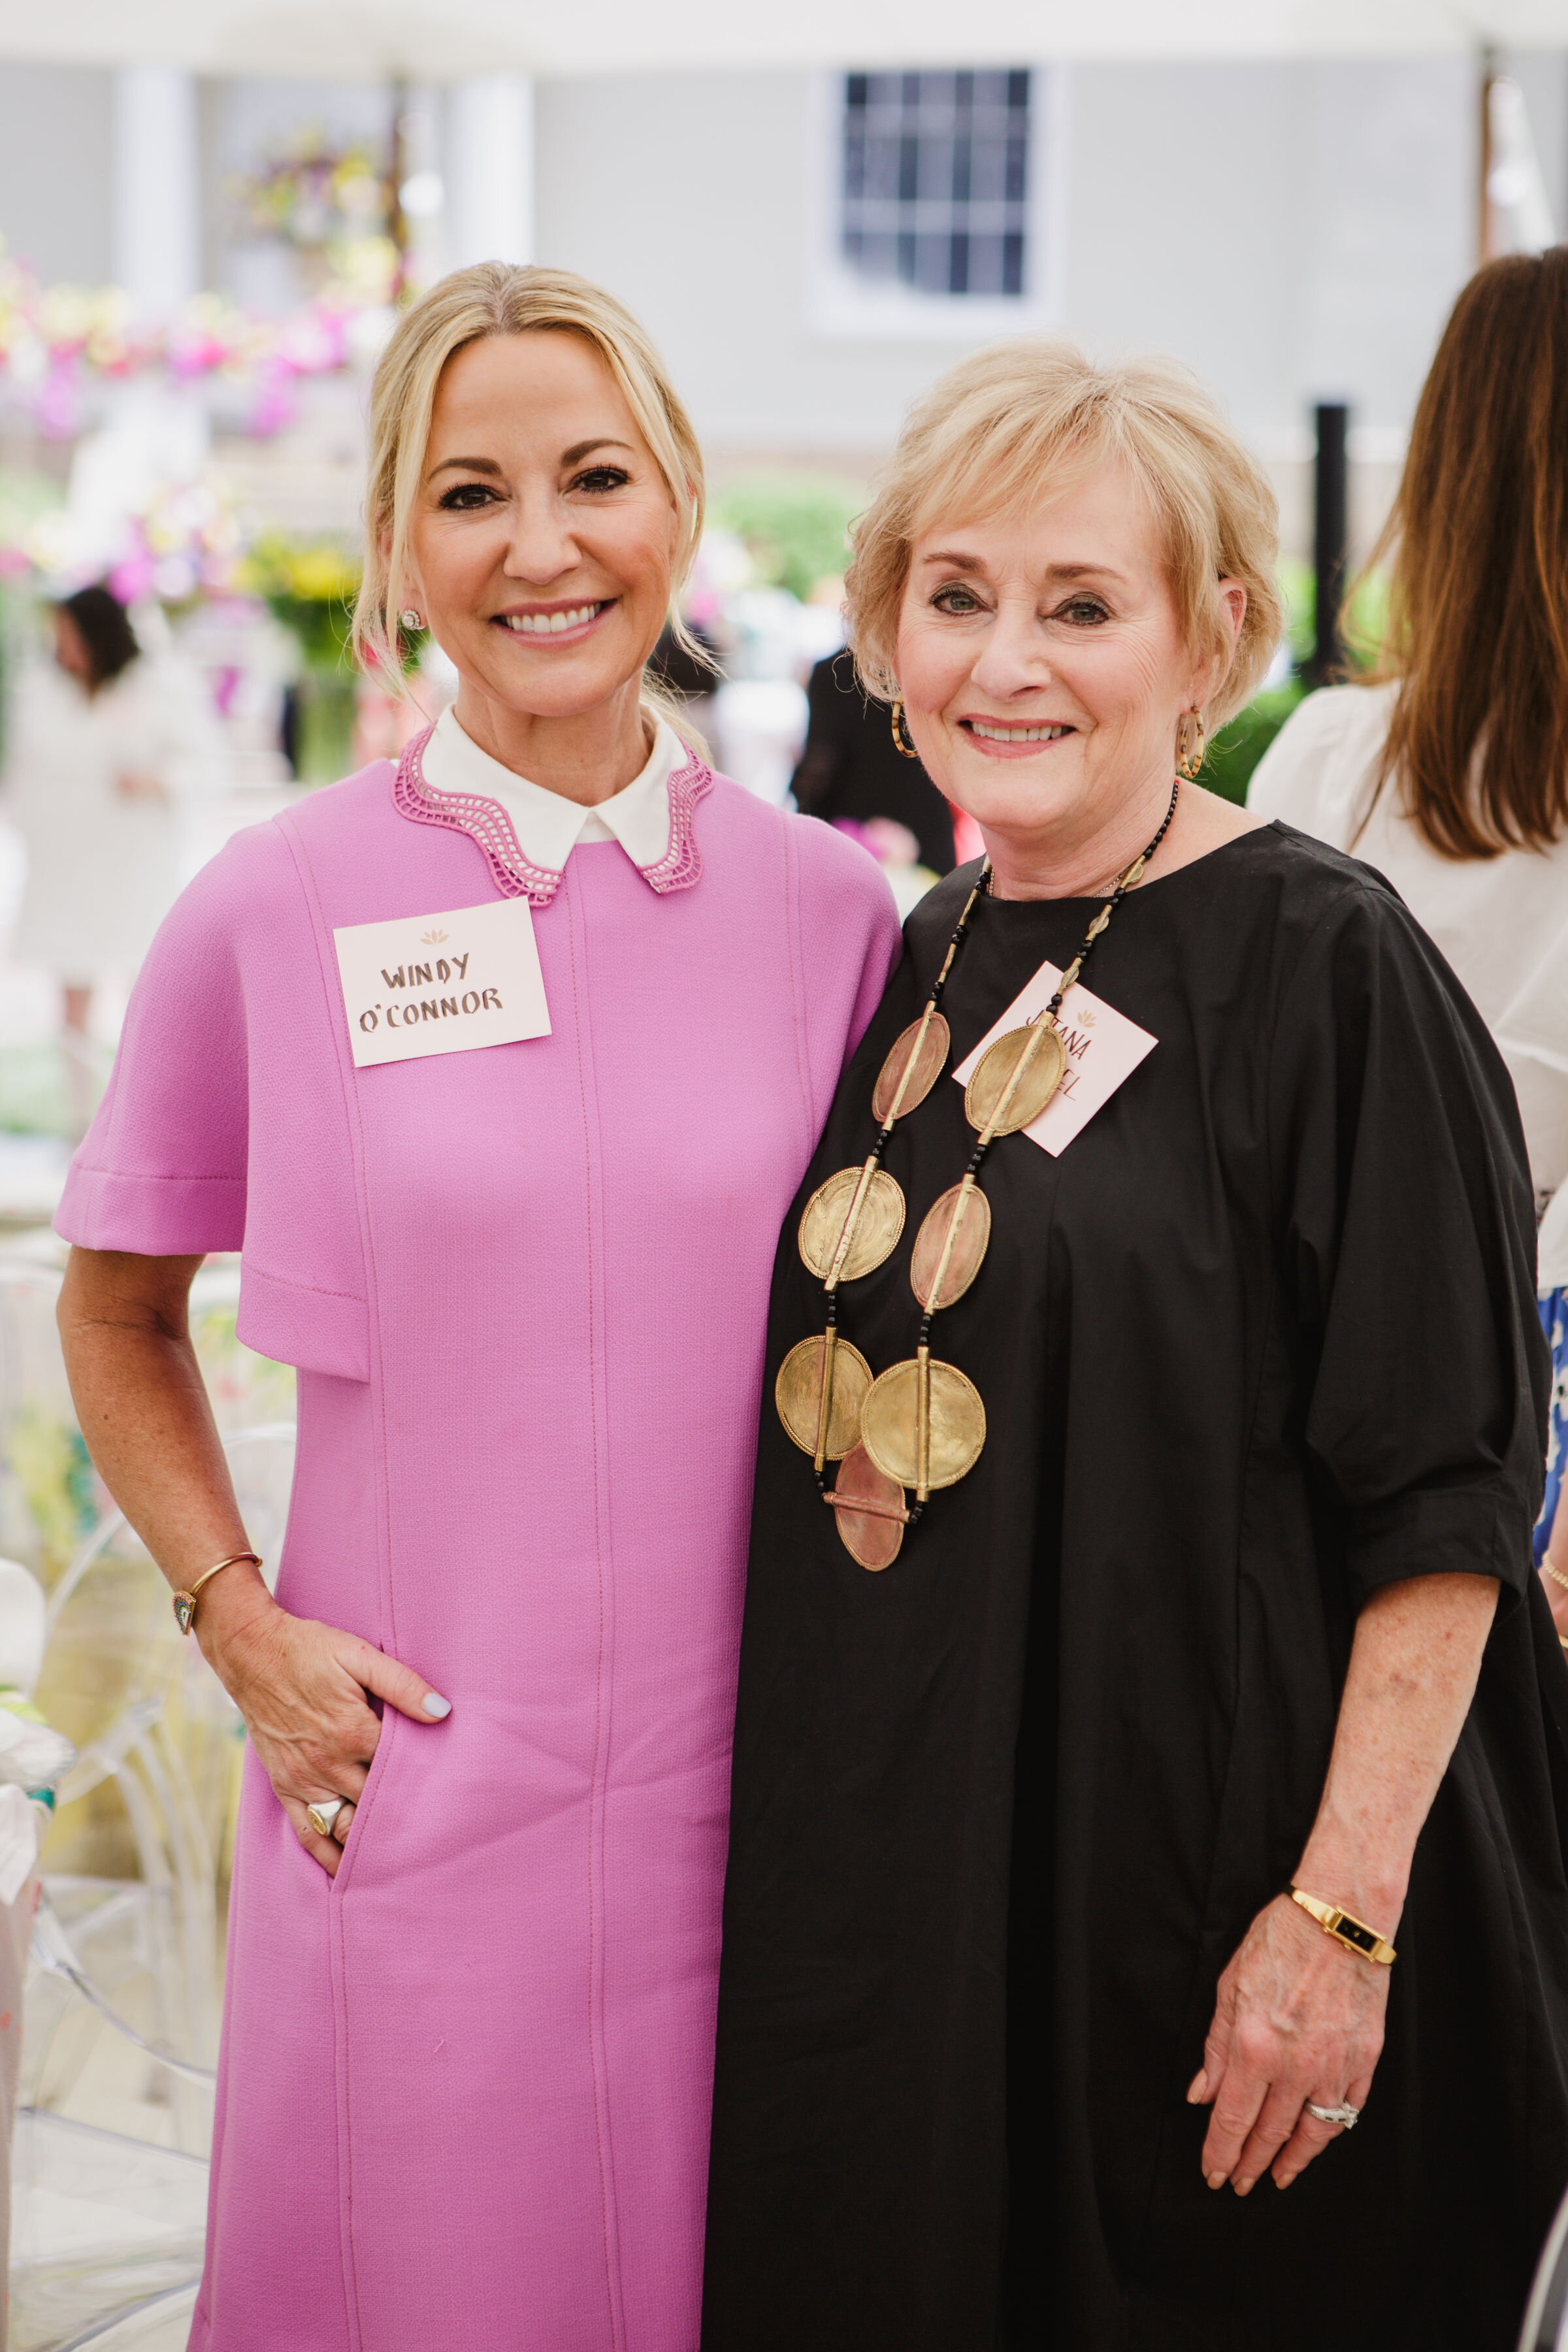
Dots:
{"x": 935, "y": 175}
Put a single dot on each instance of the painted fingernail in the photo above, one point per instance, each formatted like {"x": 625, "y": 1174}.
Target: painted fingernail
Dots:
{"x": 1218, "y": 2180}
{"x": 436, "y": 1707}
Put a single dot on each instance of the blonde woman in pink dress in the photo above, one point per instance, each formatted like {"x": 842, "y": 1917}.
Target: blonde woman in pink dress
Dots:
{"x": 499, "y": 1066}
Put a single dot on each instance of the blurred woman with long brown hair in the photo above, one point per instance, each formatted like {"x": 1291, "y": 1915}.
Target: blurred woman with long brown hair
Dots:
{"x": 1445, "y": 766}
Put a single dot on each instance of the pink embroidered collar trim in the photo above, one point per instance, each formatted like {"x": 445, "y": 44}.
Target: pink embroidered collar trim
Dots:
{"x": 487, "y": 823}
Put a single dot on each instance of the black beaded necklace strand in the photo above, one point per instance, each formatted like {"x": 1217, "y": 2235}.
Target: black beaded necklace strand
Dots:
{"x": 921, "y": 1423}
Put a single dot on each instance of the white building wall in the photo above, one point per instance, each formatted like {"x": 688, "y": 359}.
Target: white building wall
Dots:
{"x": 1292, "y": 231}
{"x": 56, "y": 152}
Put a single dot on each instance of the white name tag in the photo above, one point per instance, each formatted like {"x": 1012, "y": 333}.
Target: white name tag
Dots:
{"x": 442, "y": 984}
{"x": 1102, "y": 1048}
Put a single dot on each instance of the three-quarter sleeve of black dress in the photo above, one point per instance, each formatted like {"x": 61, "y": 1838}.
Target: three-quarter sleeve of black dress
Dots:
{"x": 1408, "y": 1254}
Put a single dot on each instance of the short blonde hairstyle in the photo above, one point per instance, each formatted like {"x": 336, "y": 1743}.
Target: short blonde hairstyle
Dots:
{"x": 1025, "y": 417}
{"x": 497, "y": 297}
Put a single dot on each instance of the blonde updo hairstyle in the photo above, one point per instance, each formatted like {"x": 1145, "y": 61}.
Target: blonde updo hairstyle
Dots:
{"x": 1026, "y": 420}
{"x": 497, "y": 297}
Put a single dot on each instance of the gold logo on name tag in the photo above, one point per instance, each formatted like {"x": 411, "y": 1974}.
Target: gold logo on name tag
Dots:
{"x": 431, "y": 938}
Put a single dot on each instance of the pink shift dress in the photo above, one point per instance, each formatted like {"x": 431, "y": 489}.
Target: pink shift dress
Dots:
{"x": 464, "y": 2087}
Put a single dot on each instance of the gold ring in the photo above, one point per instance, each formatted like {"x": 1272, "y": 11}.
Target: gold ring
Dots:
{"x": 322, "y": 1817}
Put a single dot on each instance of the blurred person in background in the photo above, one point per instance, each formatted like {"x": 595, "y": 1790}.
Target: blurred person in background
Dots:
{"x": 100, "y": 742}
{"x": 856, "y": 765}
{"x": 500, "y": 1064}
{"x": 685, "y": 667}
{"x": 1446, "y": 766}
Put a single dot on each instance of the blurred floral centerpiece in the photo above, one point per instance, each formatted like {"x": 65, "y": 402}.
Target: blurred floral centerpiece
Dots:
{"x": 333, "y": 205}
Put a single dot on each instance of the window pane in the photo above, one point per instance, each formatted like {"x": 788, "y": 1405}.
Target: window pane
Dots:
{"x": 879, "y": 258}
{"x": 882, "y": 170}
{"x": 933, "y": 264}
{"x": 984, "y": 264}
{"x": 986, "y": 168}
{"x": 1012, "y": 262}
{"x": 936, "y": 170}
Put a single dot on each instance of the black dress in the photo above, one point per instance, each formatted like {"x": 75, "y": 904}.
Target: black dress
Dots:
{"x": 1261, "y": 1340}
{"x": 852, "y": 767}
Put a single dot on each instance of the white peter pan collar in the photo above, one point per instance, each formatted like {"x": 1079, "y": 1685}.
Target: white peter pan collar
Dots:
{"x": 527, "y": 832}
{"x": 548, "y": 826}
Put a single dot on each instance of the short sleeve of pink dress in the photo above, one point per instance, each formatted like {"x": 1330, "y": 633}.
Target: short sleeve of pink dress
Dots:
{"x": 225, "y": 1088}
{"x": 465, "y": 2086}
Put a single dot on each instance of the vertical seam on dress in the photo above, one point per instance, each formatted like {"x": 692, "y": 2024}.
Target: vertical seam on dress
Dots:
{"x": 389, "y": 1621}
{"x": 797, "y": 983}
{"x": 597, "y": 2052}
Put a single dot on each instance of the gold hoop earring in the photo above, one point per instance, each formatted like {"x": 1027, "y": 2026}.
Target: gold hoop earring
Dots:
{"x": 900, "y": 730}
{"x": 1190, "y": 757}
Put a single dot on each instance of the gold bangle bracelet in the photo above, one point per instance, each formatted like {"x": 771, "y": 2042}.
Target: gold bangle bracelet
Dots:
{"x": 1353, "y": 1934}
{"x": 1555, "y": 1573}
{"x": 185, "y": 1603}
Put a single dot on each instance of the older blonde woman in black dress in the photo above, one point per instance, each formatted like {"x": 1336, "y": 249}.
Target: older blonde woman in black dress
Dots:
{"x": 1170, "y": 1658}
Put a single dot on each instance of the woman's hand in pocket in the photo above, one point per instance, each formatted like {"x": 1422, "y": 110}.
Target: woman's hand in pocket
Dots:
{"x": 304, "y": 1690}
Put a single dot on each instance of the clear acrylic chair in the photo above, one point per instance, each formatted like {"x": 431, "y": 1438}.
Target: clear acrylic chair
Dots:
{"x": 1545, "y": 2326}
{"x": 106, "y": 2236}
{"x": 123, "y": 1994}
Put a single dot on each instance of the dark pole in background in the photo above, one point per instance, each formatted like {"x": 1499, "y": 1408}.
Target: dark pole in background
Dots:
{"x": 1329, "y": 516}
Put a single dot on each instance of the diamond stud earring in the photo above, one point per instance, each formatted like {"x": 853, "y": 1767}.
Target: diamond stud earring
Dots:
{"x": 409, "y": 618}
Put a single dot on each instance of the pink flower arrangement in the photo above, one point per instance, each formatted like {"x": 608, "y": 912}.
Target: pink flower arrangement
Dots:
{"x": 54, "y": 340}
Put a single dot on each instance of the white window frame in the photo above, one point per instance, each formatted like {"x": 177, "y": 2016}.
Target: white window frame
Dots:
{"x": 843, "y": 306}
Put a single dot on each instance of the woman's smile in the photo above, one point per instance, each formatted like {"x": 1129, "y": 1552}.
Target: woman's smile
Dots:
{"x": 562, "y": 623}
{"x": 1001, "y": 739}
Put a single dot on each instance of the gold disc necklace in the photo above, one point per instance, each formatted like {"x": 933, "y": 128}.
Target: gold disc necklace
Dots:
{"x": 921, "y": 1423}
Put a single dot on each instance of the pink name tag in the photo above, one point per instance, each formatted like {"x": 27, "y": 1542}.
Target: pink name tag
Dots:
{"x": 1102, "y": 1048}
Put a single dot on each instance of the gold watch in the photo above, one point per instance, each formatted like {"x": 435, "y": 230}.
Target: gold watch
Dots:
{"x": 1353, "y": 1934}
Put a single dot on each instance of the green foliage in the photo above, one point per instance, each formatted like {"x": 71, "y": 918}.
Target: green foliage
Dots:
{"x": 310, "y": 587}
{"x": 49, "y": 1462}
{"x": 1365, "y": 624}
{"x": 1237, "y": 748}
{"x": 794, "y": 526}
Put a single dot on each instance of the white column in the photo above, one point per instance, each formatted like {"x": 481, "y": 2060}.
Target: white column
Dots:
{"x": 156, "y": 225}
{"x": 490, "y": 169}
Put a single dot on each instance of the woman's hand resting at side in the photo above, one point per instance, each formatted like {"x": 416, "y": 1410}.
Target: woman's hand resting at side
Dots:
{"x": 301, "y": 1687}
{"x": 1297, "y": 2018}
